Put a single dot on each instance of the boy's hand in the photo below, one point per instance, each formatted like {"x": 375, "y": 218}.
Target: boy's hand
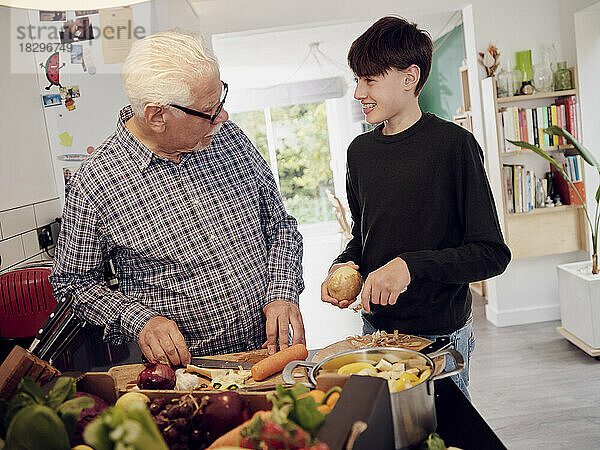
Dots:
{"x": 325, "y": 297}
{"x": 384, "y": 285}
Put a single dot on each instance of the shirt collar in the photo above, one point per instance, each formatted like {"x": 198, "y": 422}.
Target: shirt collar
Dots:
{"x": 142, "y": 155}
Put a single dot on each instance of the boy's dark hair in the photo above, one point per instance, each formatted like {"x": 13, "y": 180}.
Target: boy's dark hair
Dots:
{"x": 391, "y": 43}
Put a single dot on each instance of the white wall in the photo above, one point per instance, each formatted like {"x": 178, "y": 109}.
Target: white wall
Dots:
{"x": 587, "y": 32}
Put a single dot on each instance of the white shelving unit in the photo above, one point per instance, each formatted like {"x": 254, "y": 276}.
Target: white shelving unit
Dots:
{"x": 539, "y": 240}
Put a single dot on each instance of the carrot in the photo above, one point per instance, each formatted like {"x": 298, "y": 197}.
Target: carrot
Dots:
{"x": 276, "y": 362}
{"x": 233, "y": 437}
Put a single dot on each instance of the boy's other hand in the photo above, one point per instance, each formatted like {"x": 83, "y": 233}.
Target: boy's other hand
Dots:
{"x": 384, "y": 285}
{"x": 325, "y": 297}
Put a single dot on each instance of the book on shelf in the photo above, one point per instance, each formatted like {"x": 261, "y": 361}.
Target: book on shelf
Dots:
{"x": 528, "y": 116}
{"x": 554, "y": 121}
{"x": 573, "y": 167}
{"x": 519, "y": 188}
{"x": 570, "y": 104}
{"x": 566, "y": 191}
{"x": 535, "y": 127}
{"x": 507, "y": 171}
{"x": 527, "y": 124}
{"x": 519, "y": 185}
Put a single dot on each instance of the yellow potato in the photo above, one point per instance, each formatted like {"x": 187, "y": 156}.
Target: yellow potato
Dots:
{"x": 127, "y": 399}
{"x": 344, "y": 284}
{"x": 355, "y": 367}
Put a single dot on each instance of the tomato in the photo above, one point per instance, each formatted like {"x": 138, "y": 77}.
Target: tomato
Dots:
{"x": 299, "y": 439}
{"x": 246, "y": 442}
{"x": 274, "y": 435}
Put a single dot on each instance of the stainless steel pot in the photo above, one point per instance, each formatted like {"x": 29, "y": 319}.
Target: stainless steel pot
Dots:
{"x": 413, "y": 410}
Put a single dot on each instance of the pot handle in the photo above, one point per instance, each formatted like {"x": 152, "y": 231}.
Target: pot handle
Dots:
{"x": 287, "y": 372}
{"x": 459, "y": 362}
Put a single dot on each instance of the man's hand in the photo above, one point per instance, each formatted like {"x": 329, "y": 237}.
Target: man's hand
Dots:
{"x": 384, "y": 285}
{"x": 161, "y": 341}
{"x": 325, "y": 297}
{"x": 280, "y": 315}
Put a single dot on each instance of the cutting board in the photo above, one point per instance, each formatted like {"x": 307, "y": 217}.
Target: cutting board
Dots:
{"x": 405, "y": 341}
{"x": 126, "y": 375}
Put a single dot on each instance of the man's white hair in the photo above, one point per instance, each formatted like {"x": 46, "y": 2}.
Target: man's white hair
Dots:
{"x": 163, "y": 67}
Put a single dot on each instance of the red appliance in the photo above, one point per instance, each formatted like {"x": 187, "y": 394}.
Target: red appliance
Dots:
{"x": 26, "y": 301}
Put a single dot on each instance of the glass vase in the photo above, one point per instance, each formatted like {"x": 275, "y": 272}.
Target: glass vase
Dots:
{"x": 502, "y": 83}
{"x": 542, "y": 78}
{"x": 562, "y": 77}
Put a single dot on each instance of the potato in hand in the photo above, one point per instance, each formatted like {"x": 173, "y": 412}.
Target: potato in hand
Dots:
{"x": 344, "y": 284}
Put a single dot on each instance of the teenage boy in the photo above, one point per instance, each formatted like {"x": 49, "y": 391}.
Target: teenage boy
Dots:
{"x": 424, "y": 221}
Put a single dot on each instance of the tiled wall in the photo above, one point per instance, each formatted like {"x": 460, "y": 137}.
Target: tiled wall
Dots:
{"x": 14, "y": 221}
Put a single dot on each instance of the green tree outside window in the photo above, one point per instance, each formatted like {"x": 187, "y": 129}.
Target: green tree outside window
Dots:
{"x": 303, "y": 157}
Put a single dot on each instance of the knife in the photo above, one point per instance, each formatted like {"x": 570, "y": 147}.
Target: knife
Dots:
{"x": 54, "y": 318}
{"x": 69, "y": 335}
{"x": 439, "y": 344}
{"x": 50, "y": 341}
{"x": 219, "y": 363}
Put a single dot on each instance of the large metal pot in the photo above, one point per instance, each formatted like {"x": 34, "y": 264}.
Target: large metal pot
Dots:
{"x": 413, "y": 410}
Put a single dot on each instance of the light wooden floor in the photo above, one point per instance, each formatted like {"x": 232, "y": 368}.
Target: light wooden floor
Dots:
{"x": 534, "y": 388}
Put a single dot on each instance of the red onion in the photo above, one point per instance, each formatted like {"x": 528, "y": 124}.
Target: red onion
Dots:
{"x": 86, "y": 416}
{"x": 156, "y": 376}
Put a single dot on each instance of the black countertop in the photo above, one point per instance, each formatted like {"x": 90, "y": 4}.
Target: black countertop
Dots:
{"x": 459, "y": 423}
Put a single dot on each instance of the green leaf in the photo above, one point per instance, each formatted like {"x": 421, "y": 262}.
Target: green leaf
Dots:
{"x": 433, "y": 442}
{"x": 3, "y": 423}
{"x": 64, "y": 389}
{"x": 598, "y": 195}
{"x": 149, "y": 436}
{"x": 20, "y": 401}
{"x": 96, "y": 434}
{"x": 299, "y": 389}
{"x": 307, "y": 416}
{"x": 37, "y": 427}
{"x": 69, "y": 412}
{"x": 133, "y": 429}
{"x": 581, "y": 149}
{"x": 543, "y": 154}
{"x": 31, "y": 388}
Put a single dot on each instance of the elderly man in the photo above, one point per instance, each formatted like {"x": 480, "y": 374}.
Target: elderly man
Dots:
{"x": 207, "y": 258}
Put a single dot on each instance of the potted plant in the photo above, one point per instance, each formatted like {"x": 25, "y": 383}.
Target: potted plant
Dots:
{"x": 578, "y": 286}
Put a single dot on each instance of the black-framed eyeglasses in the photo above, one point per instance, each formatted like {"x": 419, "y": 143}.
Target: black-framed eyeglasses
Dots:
{"x": 210, "y": 117}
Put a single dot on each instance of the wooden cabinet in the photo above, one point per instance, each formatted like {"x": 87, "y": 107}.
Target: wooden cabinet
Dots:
{"x": 543, "y": 231}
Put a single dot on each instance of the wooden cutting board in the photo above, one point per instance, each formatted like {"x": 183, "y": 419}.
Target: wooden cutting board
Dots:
{"x": 126, "y": 375}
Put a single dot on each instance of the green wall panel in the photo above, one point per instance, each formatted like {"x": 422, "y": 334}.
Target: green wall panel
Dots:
{"x": 441, "y": 94}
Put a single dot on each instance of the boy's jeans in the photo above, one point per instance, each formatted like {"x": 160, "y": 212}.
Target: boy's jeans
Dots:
{"x": 462, "y": 340}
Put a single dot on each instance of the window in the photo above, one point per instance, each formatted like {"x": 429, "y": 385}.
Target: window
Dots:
{"x": 298, "y": 153}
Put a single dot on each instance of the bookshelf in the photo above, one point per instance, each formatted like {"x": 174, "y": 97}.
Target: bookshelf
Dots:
{"x": 541, "y": 231}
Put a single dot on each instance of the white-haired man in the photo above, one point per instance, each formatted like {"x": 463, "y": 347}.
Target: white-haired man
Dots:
{"x": 207, "y": 258}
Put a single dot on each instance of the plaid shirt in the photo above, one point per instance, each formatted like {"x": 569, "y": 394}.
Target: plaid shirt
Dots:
{"x": 205, "y": 242}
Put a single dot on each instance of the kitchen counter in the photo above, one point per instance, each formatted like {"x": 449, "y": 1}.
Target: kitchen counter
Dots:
{"x": 459, "y": 423}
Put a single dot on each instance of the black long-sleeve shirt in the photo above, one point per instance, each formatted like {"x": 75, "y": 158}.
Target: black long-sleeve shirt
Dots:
{"x": 423, "y": 195}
